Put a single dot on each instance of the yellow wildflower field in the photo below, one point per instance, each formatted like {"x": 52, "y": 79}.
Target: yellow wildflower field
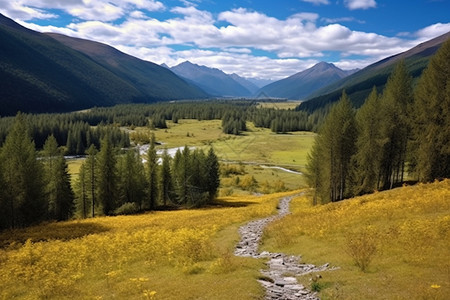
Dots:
{"x": 185, "y": 254}
{"x": 408, "y": 226}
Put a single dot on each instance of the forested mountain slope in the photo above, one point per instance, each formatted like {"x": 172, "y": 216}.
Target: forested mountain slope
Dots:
{"x": 302, "y": 84}
{"x": 359, "y": 84}
{"x": 40, "y": 74}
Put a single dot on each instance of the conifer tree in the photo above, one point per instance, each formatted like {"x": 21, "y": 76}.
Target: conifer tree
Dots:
{"x": 22, "y": 177}
{"x": 132, "y": 179}
{"x": 213, "y": 174}
{"x": 107, "y": 176}
{"x": 431, "y": 118}
{"x": 165, "y": 177}
{"x": 91, "y": 176}
{"x": 152, "y": 180}
{"x": 395, "y": 125}
{"x": 368, "y": 145}
{"x": 59, "y": 193}
{"x": 334, "y": 148}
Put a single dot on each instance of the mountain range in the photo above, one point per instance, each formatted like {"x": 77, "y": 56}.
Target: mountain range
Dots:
{"x": 359, "y": 84}
{"x": 214, "y": 81}
{"x": 302, "y": 84}
{"x": 54, "y": 73}
{"x": 49, "y": 72}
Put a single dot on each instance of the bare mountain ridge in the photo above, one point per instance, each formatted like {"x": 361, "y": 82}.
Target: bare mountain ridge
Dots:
{"x": 214, "y": 81}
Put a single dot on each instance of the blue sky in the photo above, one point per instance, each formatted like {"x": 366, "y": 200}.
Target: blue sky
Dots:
{"x": 253, "y": 38}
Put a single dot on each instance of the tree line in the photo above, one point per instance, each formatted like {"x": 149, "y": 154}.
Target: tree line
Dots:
{"x": 398, "y": 134}
{"x": 36, "y": 186}
{"x": 110, "y": 184}
{"x": 76, "y": 131}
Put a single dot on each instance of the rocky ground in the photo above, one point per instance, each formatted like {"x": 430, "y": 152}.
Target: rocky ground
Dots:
{"x": 279, "y": 279}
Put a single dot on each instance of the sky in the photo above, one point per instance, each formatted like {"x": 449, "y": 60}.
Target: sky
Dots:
{"x": 267, "y": 39}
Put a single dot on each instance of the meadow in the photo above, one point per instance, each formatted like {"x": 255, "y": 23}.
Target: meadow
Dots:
{"x": 404, "y": 232}
{"x": 185, "y": 254}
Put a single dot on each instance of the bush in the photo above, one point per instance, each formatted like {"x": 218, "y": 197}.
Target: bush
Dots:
{"x": 362, "y": 248}
{"x": 128, "y": 208}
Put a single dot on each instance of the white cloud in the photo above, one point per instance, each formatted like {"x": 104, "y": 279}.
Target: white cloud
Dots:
{"x": 290, "y": 44}
{"x": 360, "y": 4}
{"x": 99, "y": 10}
{"x": 433, "y": 31}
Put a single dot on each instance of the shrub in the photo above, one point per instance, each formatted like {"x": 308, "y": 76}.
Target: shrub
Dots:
{"x": 361, "y": 247}
{"x": 128, "y": 208}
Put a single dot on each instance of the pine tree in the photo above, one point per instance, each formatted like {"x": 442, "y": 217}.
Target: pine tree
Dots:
{"x": 213, "y": 174}
{"x": 107, "y": 176}
{"x": 368, "y": 145}
{"x": 165, "y": 177}
{"x": 152, "y": 174}
{"x": 333, "y": 151}
{"x": 431, "y": 118}
{"x": 91, "y": 176}
{"x": 132, "y": 179}
{"x": 82, "y": 201}
{"x": 22, "y": 177}
{"x": 59, "y": 193}
{"x": 395, "y": 125}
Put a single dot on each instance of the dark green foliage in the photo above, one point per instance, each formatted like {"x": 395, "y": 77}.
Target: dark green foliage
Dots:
{"x": 152, "y": 173}
{"x": 212, "y": 170}
{"x": 23, "y": 201}
{"x": 195, "y": 176}
{"x": 53, "y": 73}
{"x": 166, "y": 192}
{"x": 58, "y": 190}
{"x": 431, "y": 118}
{"x": 369, "y": 145}
{"x": 132, "y": 181}
{"x": 106, "y": 187}
{"x": 395, "y": 126}
{"x": 329, "y": 163}
{"x": 359, "y": 85}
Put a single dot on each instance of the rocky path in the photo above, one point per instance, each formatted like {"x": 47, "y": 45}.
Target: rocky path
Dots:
{"x": 279, "y": 278}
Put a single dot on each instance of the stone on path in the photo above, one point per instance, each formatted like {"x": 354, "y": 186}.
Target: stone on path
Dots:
{"x": 278, "y": 285}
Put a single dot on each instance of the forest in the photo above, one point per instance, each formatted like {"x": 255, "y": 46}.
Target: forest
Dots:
{"x": 398, "y": 136}
{"x": 402, "y": 134}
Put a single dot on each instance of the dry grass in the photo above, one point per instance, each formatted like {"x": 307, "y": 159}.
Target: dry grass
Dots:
{"x": 164, "y": 255}
{"x": 409, "y": 226}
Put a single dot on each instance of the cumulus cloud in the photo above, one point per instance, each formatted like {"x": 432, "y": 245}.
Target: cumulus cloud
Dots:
{"x": 99, "y": 10}
{"x": 433, "y": 31}
{"x": 360, "y": 4}
{"x": 241, "y": 41}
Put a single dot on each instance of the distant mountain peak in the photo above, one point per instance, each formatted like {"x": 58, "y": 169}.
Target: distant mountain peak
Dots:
{"x": 302, "y": 84}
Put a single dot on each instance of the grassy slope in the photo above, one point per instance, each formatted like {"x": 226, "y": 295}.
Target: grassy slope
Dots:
{"x": 177, "y": 254}
{"x": 410, "y": 227}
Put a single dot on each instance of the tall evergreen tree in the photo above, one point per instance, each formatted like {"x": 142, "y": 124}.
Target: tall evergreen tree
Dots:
{"x": 22, "y": 177}
{"x": 165, "y": 179}
{"x": 432, "y": 117}
{"x": 395, "y": 126}
{"x": 132, "y": 179}
{"x": 152, "y": 174}
{"x": 59, "y": 193}
{"x": 334, "y": 148}
{"x": 82, "y": 200}
{"x": 368, "y": 145}
{"x": 107, "y": 176}
{"x": 91, "y": 176}
{"x": 213, "y": 174}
